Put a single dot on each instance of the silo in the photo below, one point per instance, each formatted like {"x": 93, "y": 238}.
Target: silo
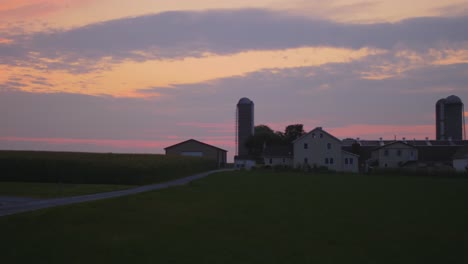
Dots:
{"x": 450, "y": 119}
{"x": 440, "y": 119}
{"x": 244, "y": 125}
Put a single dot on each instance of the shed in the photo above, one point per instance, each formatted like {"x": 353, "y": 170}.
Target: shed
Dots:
{"x": 196, "y": 148}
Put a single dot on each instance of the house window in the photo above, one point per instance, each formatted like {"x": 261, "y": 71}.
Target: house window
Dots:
{"x": 346, "y": 161}
{"x": 386, "y": 153}
{"x": 271, "y": 161}
{"x": 329, "y": 146}
{"x": 313, "y": 135}
{"x": 331, "y": 160}
{"x": 306, "y": 160}
{"x": 306, "y": 146}
{"x": 412, "y": 153}
{"x": 398, "y": 153}
{"x": 351, "y": 160}
{"x": 326, "y": 160}
{"x": 321, "y": 135}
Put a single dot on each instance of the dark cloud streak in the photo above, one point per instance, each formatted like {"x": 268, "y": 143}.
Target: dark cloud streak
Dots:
{"x": 182, "y": 34}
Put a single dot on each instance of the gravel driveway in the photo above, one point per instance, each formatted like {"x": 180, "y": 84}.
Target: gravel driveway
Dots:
{"x": 14, "y": 205}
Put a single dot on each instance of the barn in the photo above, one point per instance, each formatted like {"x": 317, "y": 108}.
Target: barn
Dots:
{"x": 196, "y": 148}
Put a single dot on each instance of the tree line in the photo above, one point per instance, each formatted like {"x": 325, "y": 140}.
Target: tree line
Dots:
{"x": 265, "y": 136}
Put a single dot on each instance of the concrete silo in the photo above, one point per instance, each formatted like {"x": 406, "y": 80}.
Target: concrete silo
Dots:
{"x": 244, "y": 125}
{"x": 450, "y": 120}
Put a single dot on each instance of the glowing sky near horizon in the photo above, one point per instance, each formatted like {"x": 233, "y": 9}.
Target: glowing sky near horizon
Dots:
{"x": 135, "y": 76}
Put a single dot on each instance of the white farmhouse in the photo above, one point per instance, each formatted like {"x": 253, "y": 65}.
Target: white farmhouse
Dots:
{"x": 319, "y": 148}
{"x": 395, "y": 154}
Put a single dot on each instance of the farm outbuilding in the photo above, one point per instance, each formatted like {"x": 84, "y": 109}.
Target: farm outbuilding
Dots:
{"x": 196, "y": 148}
{"x": 460, "y": 160}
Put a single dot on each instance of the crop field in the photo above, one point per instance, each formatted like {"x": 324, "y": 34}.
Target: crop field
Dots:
{"x": 255, "y": 217}
{"x": 96, "y": 168}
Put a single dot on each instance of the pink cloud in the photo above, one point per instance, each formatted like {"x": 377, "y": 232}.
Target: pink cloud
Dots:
{"x": 211, "y": 127}
{"x": 144, "y": 144}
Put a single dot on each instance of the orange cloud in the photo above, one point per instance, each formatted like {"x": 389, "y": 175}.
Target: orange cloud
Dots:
{"x": 36, "y": 7}
{"x": 126, "y": 78}
{"x": 5, "y": 41}
{"x": 408, "y": 60}
{"x": 450, "y": 56}
{"x": 37, "y": 15}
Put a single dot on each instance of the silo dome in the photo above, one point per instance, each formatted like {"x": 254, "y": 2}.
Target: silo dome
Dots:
{"x": 453, "y": 99}
{"x": 245, "y": 100}
{"x": 441, "y": 101}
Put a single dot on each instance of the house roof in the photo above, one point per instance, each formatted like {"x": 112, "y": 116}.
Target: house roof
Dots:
{"x": 315, "y": 130}
{"x": 193, "y": 140}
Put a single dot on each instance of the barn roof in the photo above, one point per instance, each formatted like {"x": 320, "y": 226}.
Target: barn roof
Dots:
{"x": 193, "y": 140}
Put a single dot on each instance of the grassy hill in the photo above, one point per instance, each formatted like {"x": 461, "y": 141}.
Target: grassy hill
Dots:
{"x": 96, "y": 168}
{"x": 255, "y": 217}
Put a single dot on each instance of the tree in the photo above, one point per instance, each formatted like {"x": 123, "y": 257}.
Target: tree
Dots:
{"x": 263, "y": 136}
{"x": 293, "y": 132}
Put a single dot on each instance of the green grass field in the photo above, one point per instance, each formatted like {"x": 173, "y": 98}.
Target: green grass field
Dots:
{"x": 52, "y": 190}
{"x": 97, "y": 168}
{"x": 255, "y": 217}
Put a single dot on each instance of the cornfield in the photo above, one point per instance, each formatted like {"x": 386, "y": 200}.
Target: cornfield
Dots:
{"x": 96, "y": 168}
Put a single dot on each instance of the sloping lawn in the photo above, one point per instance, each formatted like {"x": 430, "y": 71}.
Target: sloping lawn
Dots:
{"x": 255, "y": 217}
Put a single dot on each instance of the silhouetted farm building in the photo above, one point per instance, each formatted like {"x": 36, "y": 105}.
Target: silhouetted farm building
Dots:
{"x": 196, "y": 148}
{"x": 319, "y": 148}
{"x": 405, "y": 153}
{"x": 450, "y": 120}
{"x": 244, "y": 124}
{"x": 244, "y": 129}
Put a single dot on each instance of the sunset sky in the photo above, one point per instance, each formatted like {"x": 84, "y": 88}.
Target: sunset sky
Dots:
{"x": 137, "y": 76}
